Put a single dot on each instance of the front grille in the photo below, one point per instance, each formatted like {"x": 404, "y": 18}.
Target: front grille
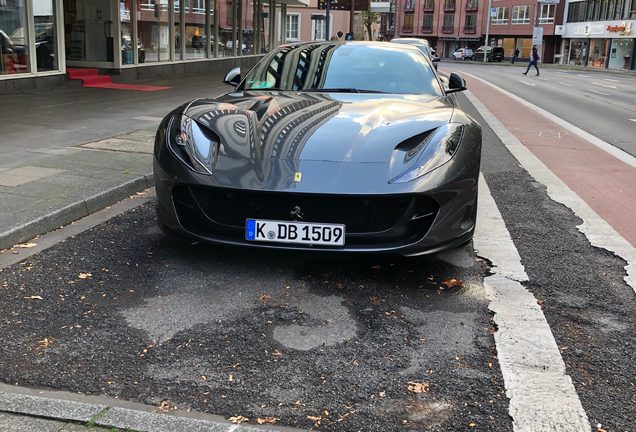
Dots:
{"x": 360, "y": 214}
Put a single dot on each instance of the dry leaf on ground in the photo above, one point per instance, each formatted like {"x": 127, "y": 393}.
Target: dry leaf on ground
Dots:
{"x": 164, "y": 406}
{"x": 277, "y": 353}
{"x": 34, "y": 297}
{"x": 46, "y": 342}
{"x": 265, "y": 297}
{"x": 314, "y": 418}
{"x": 25, "y": 245}
{"x": 84, "y": 275}
{"x": 238, "y": 419}
{"x": 269, "y": 420}
{"x": 418, "y": 387}
{"x": 453, "y": 283}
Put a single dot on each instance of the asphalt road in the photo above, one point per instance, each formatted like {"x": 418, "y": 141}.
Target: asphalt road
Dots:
{"x": 601, "y": 103}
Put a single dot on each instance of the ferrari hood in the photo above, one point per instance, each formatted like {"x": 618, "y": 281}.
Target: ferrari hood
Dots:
{"x": 306, "y": 126}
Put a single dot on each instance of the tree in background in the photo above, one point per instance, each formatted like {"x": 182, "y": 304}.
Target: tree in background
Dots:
{"x": 368, "y": 19}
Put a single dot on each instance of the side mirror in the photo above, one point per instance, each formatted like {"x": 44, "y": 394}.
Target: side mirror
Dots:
{"x": 435, "y": 59}
{"x": 233, "y": 77}
{"x": 455, "y": 83}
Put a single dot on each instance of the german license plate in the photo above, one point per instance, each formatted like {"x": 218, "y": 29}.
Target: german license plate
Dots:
{"x": 294, "y": 232}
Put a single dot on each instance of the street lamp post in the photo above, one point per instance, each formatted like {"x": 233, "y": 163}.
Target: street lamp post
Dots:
{"x": 487, "y": 30}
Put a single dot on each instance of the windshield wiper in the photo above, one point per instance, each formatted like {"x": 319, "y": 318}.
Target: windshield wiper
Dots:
{"x": 342, "y": 90}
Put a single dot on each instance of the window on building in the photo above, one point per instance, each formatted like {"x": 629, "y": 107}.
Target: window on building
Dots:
{"x": 319, "y": 27}
{"x": 470, "y": 25}
{"x": 501, "y": 17}
{"x": 14, "y": 43}
{"x": 449, "y": 23}
{"x": 449, "y": 5}
{"x": 409, "y": 5}
{"x": 427, "y": 22}
{"x": 631, "y": 11}
{"x": 521, "y": 14}
{"x": 408, "y": 22}
{"x": 546, "y": 13}
{"x": 198, "y": 6}
{"x": 429, "y": 5}
{"x": 472, "y": 5}
{"x": 292, "y": 27}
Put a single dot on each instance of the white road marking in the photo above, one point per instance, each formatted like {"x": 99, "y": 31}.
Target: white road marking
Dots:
{"x": 566, "y": 84}
{"x": 542, "y": 396}
{"x": 527, "y": 83}
{"x": 601, "y": 93}
{"x": 634, "y": 120}
{"x": 582, "y": 76}
{"x": 604, "y": 85}
{"x": 148, "y": 118}
{"x": 612, "y": 80}
{"x": 597, "y": 230}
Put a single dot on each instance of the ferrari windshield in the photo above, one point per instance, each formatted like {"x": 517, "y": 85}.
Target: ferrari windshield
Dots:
{"x": 349, "y": 67}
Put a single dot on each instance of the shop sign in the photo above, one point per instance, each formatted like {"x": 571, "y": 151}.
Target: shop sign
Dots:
{"x": 559, "y": 30}
{"x": 624, "y": 28}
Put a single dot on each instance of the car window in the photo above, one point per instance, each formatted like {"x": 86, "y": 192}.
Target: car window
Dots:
{"x": 379, "y": 67}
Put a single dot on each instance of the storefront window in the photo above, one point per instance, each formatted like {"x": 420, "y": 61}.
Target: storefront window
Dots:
{"x": 620, "y": 56}
{"x": 153, "y": 31}
{"x": 178, "y": 13}
{"x": 578, "y": 52}
{"x": 195, "y": 29}
{"x": 599, "y": 49}
{"x": 45, "y": 35}
{"x": 14, "y": 44}
{"x": 89, "y": 30}
{"x": 127, "y": 52}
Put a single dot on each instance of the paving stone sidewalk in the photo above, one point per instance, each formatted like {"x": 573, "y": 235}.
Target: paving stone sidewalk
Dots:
{"x": 70, "y": 151}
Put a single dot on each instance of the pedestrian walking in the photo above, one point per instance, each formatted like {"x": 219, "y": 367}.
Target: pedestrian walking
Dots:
{"x": 515, "y": 56}
{"x": 534, "y": 60}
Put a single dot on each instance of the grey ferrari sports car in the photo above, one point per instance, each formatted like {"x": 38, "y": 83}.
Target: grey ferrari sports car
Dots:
{"x": 331, "y": 146}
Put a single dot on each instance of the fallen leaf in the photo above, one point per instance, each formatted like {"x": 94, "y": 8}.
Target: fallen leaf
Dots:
{"x": 382, "y": 394}
{"x": 164, "y": 406}
{"x": 472, "y": 424}
{"x": 314, "y": 418}
{"x": 418, "y": 387}
{"x": 25, "y": 245}
{"x": 204, "y": 378}
{"x": 84, "y": 275}
{"x": 453, "y": 283}
{"x": 230, "y": 377}
{"x": 265, "y": 297}
{"x": 263, "y": 420}
{"x": 277, "y": 353}
{"x": 34, "y": 297}
{"x": 46, "y": 342}
{"x": 238, "y": 419}
{"x": 541, "y": 302}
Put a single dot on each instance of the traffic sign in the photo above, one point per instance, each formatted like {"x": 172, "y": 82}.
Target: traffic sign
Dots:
{"x": 493, "y": 12}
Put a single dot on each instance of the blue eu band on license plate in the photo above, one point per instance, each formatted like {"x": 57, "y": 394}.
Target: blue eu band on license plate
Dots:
{"x": 294, "y": 232}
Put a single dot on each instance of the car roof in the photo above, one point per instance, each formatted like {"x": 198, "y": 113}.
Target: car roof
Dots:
{"x": 352, "y": 43}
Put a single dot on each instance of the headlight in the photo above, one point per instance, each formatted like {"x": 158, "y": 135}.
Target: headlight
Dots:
{"x": 194, "y": 144}
{"x": 434, "y": 151}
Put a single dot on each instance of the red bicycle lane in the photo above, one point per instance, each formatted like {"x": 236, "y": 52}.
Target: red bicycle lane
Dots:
{"x": 604, "y": 182}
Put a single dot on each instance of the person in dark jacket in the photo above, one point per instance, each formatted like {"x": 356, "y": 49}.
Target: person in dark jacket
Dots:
{"x": 534, "y": 60}
{"x": 515, "y": 56}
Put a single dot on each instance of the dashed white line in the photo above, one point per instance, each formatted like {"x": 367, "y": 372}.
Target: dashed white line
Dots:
{"x": 582, "y": 76}
{"x": 566, "y": 84}
{"x": 542, "y": 396}
{"x": 148, "y": 118}
{"x": 527, "y": 83}
{"x": 604, "y": 85}
{"x": 601, "y": 93}
{"x": 634, "y": 120}
{"x": 612, "y": 80}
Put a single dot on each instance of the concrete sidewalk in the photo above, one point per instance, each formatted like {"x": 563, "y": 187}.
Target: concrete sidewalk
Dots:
{"x": 29, "y": 410}
{"x": 68, "y": 152}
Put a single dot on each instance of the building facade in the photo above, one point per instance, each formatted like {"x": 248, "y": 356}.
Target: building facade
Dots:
{"x": 600, "y": 34}
{"x": 452, "y": 24}
{"x": 41, "y": 38}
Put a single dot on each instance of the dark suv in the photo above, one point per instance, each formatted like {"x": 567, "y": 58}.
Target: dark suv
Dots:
{"x": 493, "y": 53}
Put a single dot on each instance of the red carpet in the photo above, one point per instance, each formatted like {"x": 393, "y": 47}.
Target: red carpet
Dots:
{"x": 90, "y": 78}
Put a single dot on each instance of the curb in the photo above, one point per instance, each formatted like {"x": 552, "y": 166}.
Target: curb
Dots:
{"x": 114, "y": 413}
{"x": 73, "y": 212}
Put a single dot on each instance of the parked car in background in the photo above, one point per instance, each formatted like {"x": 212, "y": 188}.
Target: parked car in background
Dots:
{"x": 422, "y": 45}
{"x": 493, "y": 53}
{"x": 463, "y": 54}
